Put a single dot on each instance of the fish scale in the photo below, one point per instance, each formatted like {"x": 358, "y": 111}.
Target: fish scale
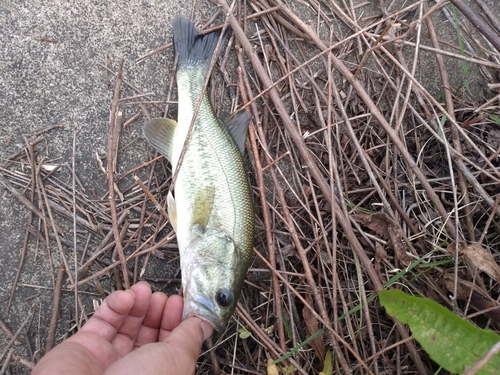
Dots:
{"x": 222, "y": 167}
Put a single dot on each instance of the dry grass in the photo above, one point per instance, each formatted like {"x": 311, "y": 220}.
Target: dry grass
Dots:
{"x": 364, "y": 179}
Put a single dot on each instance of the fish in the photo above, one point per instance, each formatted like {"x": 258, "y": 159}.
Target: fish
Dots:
{"x": 211, "y": 208}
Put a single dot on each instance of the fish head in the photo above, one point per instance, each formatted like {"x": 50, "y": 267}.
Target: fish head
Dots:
{"x": 210, "y": 279}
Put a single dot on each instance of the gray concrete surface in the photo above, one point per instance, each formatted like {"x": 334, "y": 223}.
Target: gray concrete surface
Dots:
{"x": 50, "y": 74}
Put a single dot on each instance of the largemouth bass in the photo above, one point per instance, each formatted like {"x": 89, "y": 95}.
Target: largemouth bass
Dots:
{"x": 212, "y": 211}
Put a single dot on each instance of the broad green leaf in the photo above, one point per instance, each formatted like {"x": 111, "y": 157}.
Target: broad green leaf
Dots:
{"x": 452, "y": 342}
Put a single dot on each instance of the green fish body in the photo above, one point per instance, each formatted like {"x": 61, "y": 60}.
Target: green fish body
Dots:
{"x": 212, "y": 212}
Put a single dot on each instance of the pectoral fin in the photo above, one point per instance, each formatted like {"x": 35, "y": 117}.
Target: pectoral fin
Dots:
{"x": 237, "y": 124}
{"x": 160, "y": 132}
{"x": 172, "y": 210}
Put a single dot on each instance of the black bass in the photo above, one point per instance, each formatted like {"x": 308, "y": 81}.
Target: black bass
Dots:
{"x": 212, "y": 212}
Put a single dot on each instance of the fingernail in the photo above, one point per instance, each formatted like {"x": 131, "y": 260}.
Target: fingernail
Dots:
{"x": 128, "y": 290}
{"x": 208, "y": 330}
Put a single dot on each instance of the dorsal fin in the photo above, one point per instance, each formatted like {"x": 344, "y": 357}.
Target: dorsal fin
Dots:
{"x": 237, "y": 125}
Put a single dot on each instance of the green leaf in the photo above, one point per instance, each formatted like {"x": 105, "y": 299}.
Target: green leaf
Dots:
{"x": 328, "y": 367}
{"x": 394, "y": 279}
{"x": 494, "y": 117}
{"x": 452, "y": 342}
{"x": 269, "y": 329}
{"x": 465, "y": 68}
{"x": 288, "y": 330}
{"x": 442, "y": 121}
{"x": 244, "y": 333}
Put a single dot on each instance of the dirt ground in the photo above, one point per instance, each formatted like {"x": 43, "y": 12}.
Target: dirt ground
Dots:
{"x": 58, "y": 63}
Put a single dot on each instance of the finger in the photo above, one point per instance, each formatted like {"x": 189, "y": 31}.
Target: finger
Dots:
{"x": 176, "y": 355}
{"x": 150, "y": 328}
{"x": 125, "y": 338}
{"x": 110, "y": 316}
{"x": 172, "y": 316}
{"x": 155, "y": 312}
{"x": 142, "y": 291}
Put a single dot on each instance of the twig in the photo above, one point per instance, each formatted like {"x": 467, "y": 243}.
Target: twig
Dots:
{"x": 22, "y": 198}
{"x": 309, "y": 276}
{"x": 206, "y": 31}
{"x": 135, "y": 254}
{"x": 307, "y": 305}
{"x": 53, "y": 224}
{"x": 31, "y": 156}
{"x": 457, "y": 144}
{"x": 158, "y": 206}
{"x": 489, "y": 14}
{"x": 478, "y": 23}
{"x": 153, "y": 52}
{"x": 456, "y": 140}
{"x": 244, "y": 88}
{"x": 457, "y": 157}
{"x": 103, "y": 247}
{"x": 75, "y": 254}
{"x": 213, "y": 356}
{"x": 80, "y": 220}
{"x": 476, "y": 367}
{"x": 474, "y": 60}
{"x": 136, "y": 96}
{"x": 10, "y": 159}
{"x": 139, "y": 230}
{"x": 131, "y": 120}
{"x": 113, "y": 134}
{"x": 490, "y": 219}
{"x": 30, "y": 365}
{"x": 270, "y": 345}
{"x": 309, "y": 162}
{"x": 18, "y": 332}
{"x": 6, "y": 330}
{"x": 6, "y": 364}
{"x": 55, "y": 309}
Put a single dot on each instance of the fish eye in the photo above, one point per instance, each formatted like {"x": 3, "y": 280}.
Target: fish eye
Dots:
{"x": 224, "y": 297}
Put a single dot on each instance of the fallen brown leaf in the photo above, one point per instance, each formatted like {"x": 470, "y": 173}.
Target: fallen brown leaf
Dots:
{"x": 380, "y": 254}
{"x": 481, "y": 258}
{"x": 387, "y": 229}
{"x": 311, "y": 327}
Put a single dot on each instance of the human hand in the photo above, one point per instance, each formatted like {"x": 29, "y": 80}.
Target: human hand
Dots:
{"x": 132, "y": 332}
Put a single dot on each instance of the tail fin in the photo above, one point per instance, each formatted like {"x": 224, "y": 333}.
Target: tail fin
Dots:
{"x": 192, "y": 48}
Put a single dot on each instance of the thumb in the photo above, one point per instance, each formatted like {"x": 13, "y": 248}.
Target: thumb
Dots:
{"x": 177, "y": 354}
{"x": 192, "y": 332}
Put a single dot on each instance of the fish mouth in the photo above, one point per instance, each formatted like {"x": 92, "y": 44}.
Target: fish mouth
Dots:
{"x": 203, "y": 308}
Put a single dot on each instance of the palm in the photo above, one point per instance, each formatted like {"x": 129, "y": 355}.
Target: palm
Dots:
{"x": 122, "y": 324}
{"x": 116, "y": 329}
